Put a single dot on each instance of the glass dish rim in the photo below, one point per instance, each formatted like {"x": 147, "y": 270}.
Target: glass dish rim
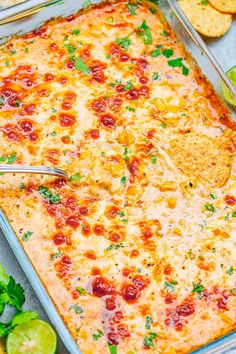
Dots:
{"x": 223, "y": 343}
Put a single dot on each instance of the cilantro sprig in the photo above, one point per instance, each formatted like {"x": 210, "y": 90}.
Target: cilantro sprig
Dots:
{"x": 145, "y": 33}
{"x": 53, "y": 198}
{"x": 12, "y": 293}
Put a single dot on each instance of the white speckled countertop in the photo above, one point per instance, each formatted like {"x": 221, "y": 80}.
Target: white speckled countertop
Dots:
{"x": 224, "y": 50}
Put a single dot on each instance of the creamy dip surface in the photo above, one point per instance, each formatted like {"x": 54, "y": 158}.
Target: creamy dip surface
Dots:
{"x": 137, "y": 249}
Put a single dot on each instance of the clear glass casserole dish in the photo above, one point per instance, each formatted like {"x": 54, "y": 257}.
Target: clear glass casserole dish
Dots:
{"x": 209, "y": 67}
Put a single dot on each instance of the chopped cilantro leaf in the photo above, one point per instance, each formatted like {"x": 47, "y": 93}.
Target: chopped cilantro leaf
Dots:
{"x": 204, "y": 2}
{"x": 78, "y": 309}
{"x": 170, "y": 286}
{"x": 227, "y": 217}
{"x": 124, "y": 42}
{"x": 27, "y": 235}
{"x": 152, "y": 10}
{"x": 148, "y": 322}
{"x": 97, "y": 334}
{"x": 185, "y": 70}
{"x": 164, "y": 34}
{"x": 80, "y": 290}
{"x": 81, "y": 66}
{"x": 76, "y": 32}
{"x": 167, "y": 53}
{"x": 155, "y": 76}
{"x": 213, "y": 196}
{"x": 234, "y": 214}
{"x": 3, "y": 158}
{"x": 71, "y": 48}
{"x": 18, "y": 103}
{"x": 126, "y": 154}
{"x": 230, "y": 270}
{"x": 7, "y": 63}
{"x": 121, "y": 213}
{"x": 210, "y": 207}
{"x": 112, "y": 348}
{"x": 22, "y": 186}
{"x": 2, "y": 100}
{"x": 123, "y": 180}
{"x": 163, "y": 125}
{"x": 129, "y": 85}
{"x": 154, "y": 160}
{"x": 157, "y": 51}
{"x": 56, "y": 255}
{"x": 131, "y": 109}
{"x": 115, "y": 247}
{"x": 76, "y": 177}
{"x": 53, "y": 198}
{"x": 12, "y": 158}
{"x": 178, "y": 63}
{"x": 148, "y": 340}
{"x": 197, "y": 288}
{"x": 145, "y": 33}
{"x": 53, "y": 133}
{"x": 131, "y": 8}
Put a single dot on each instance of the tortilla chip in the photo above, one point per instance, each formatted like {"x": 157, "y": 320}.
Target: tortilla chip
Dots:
{"x": 227, "y": 6}
{"x": 205, "y": 19}
{"x": 199, "y": 155}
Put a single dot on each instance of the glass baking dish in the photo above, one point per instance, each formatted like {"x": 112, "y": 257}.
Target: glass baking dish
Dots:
{"x": 207, "y": 63}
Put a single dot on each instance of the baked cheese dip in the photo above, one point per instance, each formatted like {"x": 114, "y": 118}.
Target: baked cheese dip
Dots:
{"x": 138, "y": 249}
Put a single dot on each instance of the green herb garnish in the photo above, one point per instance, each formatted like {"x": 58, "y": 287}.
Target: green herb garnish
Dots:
{"x": 170, "y": 286}
{"x": 178, "y": 63}
{"x": 154, "y": 160}
{"x": 27, "y": 235}
{"x": 155, "y": 76}
{"x": 148, "y": 322}
{"x": 230, "y": 270}
{"x": 145, "y": 33}
{"x": 76, "y": 177}
{"x": 168, "y": 53}
{"x": 129, "y": 85}
{"x": 53, "y": 198}
{"x": 76, "y": 32}
{"x": 197, "y": 288}
{"x": 78, "y": 309}
{"x": 210, "y": 207}
{"x": 80, "y": 290}
{"x": 148, "y": 340}
{"x": 124, "y": 42}
{"x": 131, "y": 8}
{"x": 81, "y": 66}
{"x": 157, "y": 51}
{"x": 71, "y": 48}
{"x": 115, "y": 247}
{"x": 97, "y": 335}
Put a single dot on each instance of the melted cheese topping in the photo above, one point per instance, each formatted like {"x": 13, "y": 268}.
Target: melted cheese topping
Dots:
{"x": 138, "y": 249}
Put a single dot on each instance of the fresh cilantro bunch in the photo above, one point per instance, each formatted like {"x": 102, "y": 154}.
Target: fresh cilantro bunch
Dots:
{"x": 12, "y": 294}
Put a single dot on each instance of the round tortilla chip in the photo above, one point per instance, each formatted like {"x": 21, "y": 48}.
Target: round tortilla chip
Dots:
{"x": 228, "y": 6}
{"x": 199, "y": 155}
{"x": 205, "y": 19}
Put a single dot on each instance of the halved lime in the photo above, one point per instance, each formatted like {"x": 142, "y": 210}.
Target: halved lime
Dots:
{"x": 34, "y": 337}
{"x": 231, "y": 74}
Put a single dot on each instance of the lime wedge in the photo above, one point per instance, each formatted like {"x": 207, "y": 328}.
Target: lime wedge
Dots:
{"x": 231, "y": 74}
{"x": 34, "y": 337}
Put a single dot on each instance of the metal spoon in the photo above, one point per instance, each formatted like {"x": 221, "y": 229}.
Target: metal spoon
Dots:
{"x": 33, "y": 169}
